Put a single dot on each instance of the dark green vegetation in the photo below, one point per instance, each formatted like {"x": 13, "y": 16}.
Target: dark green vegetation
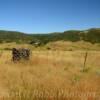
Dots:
{"x": 91, "y": 35}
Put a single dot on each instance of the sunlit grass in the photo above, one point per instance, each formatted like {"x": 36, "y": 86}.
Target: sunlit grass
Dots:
{"x": 50, "y": 75}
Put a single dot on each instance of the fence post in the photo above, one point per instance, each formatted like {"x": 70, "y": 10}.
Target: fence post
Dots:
{"x": 85, "y": 59}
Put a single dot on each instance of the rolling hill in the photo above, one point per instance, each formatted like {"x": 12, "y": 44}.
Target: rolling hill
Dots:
{"x": 91, "y": 35}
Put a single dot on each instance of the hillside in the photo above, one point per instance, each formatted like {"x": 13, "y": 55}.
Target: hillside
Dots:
{"x": 91, "y": 35}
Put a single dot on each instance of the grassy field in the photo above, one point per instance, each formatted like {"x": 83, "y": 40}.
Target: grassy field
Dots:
{"x": 58, "y": 45}
{"x": 51, "y": 75}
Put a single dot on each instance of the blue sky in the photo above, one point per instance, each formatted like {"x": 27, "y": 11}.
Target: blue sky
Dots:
{"x": 42, "y": 16}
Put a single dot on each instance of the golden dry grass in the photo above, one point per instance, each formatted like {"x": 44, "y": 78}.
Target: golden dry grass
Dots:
{"x": 58, "y": 45}
{"x": 68, "y": 45}
{"x": 50, "y": 75}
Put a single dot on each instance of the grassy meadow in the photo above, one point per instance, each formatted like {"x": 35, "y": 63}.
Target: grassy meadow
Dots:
{"x": 50, "y": 75}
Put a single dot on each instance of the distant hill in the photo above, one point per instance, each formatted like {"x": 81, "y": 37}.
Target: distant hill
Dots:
{"x": 91, "y": 35}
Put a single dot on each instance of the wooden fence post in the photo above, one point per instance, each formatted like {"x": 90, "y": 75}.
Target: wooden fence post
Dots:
{"x": 85, "y": 59}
